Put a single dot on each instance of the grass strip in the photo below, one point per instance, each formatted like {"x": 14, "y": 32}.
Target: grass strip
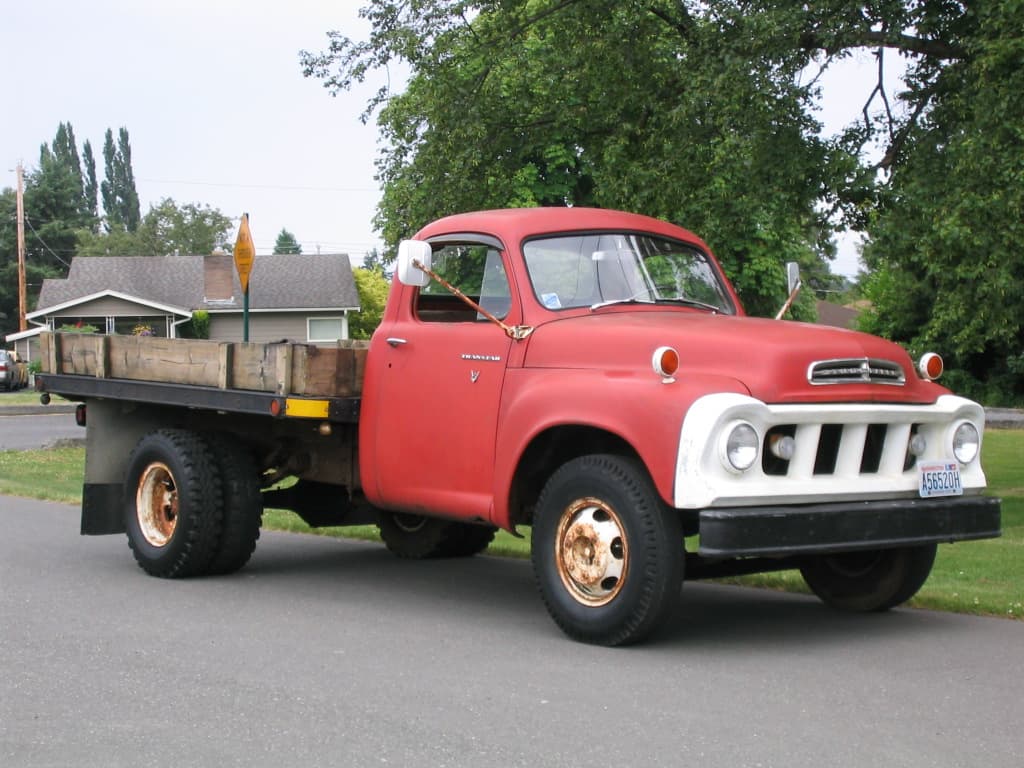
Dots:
{"x": 979, "y": 577}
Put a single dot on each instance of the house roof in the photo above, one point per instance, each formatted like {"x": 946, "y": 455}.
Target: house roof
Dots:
{"x": 202, "y": 282}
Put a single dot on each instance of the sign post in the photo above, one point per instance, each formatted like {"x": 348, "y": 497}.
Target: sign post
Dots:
{"x": 245, "y": 254}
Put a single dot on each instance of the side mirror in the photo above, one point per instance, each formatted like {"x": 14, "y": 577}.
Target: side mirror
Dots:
{"x": 792, "y": 276}
{"x": 792, "y": 285}
{"x": 408, "y": 252}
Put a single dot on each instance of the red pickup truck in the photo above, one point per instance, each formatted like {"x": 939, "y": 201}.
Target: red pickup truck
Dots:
{"x": 589, "y": 374}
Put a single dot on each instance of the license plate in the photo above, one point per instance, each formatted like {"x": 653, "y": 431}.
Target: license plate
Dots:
{"x": 940, "y": 478}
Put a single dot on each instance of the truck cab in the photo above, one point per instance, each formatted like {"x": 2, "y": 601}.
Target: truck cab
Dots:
{"x": 601, "y": 349}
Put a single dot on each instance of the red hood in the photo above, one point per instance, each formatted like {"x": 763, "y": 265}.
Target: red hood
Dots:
{"x": 770, "y": 357}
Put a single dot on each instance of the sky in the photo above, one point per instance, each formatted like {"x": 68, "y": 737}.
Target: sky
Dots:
{"x": 218, "y": 112}
{"x": 213, "y": 97}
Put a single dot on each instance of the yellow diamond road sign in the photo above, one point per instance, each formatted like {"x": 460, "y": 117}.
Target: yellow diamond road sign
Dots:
{"x": 245, "y": 253}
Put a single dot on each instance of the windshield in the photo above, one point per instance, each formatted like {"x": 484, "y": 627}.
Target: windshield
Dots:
{"x": 598, "y": 270}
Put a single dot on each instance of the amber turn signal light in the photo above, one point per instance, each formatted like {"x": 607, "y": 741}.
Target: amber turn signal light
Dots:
{"x": 665, "y": 362}
{"x": 930, "y": 366}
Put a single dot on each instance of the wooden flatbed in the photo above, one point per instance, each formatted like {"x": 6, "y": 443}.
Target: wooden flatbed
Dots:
{"x": 284, "y": 368}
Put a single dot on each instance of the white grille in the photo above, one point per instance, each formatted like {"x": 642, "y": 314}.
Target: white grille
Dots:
{"x": 842, "y": 452}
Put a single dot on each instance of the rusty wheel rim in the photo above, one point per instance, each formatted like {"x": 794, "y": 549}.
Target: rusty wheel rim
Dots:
{"x": 591, "y": 552}
{"x": 156, "y": 504}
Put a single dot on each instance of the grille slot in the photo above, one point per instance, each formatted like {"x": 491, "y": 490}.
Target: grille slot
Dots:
{"x": 861, "y": 370}
{"x": 828, "y": 449}
{"x": 840, "y": 450}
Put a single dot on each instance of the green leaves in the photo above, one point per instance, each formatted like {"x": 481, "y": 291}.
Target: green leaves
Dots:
{"x": 704, "y": 114}
{"x": 948, "y": 265}
{"x": 167, "y": 229}
{"x": 286, "y": 243}
{"x": 373, "y": 295}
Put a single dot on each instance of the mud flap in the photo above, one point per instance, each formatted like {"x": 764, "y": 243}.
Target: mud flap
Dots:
{"x": 102, "y": 509}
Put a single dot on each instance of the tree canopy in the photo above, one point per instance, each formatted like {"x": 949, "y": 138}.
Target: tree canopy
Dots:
{"x": 373, "y": 295}
{"x": 62, "y": 218}
{"x": 286, "y": 243}
{"x": 120, "y": 198}
{"x": 704, "y": 114}
{"x": 167, "y": 229}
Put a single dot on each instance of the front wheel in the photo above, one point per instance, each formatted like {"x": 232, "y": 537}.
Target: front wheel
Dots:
{"x": 875, "y": 580}
{"x": 607, "y": 553}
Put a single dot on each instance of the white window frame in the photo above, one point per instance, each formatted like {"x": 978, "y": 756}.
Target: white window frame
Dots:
{"x": 342, "y": 320}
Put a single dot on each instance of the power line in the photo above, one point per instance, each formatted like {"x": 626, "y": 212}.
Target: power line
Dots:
{"x": 47, "y": 247}
{"x": 295, "y": 188}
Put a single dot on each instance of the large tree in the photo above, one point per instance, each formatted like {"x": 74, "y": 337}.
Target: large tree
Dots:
{"x": 57, "y": 205}
{"x": 120, "y": 198}
{"x": 39, "y": 264}
{"x": 167, "y": 229}
{"x": 286, "y": 243}
{"x": 947, "y": 267}
{"x": 373, "y": 295}
{"x": 702, "y": 113}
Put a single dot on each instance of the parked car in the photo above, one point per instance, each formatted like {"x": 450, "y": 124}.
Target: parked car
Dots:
{"x": 13, "y": 372}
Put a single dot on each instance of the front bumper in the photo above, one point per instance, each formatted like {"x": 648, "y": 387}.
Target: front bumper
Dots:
{"x": 778, "y": 531}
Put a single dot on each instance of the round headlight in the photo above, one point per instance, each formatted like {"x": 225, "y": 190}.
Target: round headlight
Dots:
{"x": 741, "y": 446}
{"x": 966, "y": 442}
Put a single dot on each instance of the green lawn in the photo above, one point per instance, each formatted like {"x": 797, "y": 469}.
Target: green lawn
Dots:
{"x": 982, "y": 577}
{"x": 24, "y": 397}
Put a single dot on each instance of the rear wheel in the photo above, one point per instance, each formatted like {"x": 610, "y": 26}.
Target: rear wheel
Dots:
{"x": 243, "y": 504}
{"x": 416, "y": 537}
{"x": 607, "y": 553}
{"x": 876, "y": 580}
{"x": 172, "y": 504}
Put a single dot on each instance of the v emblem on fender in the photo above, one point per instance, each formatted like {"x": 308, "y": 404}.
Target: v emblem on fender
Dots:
{"x": 474, "y": 375}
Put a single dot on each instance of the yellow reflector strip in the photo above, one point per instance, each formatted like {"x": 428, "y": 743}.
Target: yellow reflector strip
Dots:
{"x": 306, "y": 409}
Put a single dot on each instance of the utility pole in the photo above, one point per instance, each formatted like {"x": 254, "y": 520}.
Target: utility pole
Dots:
{"x": 22, "y": 322}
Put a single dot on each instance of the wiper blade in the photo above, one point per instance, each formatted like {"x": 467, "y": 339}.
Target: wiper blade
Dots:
{"x": 691, "y": 303}
{"x": 610, "y": 302}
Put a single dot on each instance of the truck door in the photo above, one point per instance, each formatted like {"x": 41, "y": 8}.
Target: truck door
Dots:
{"x": 442, "y": 381}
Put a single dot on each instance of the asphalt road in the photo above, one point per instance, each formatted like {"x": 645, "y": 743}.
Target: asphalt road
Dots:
{"x": 331, "y": 653}
{"x": 37, "y": 430}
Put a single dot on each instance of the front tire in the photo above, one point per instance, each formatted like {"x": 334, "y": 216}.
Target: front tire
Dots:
{"x": 172, "y": 504}
{"x": 607, "y": 553}
{"x": 876, "y": 580}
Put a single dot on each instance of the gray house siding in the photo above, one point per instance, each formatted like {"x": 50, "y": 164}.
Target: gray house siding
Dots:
{"x": 107, "y": 305}
{"x": 285, "y": 291}
{"x": 111, "y": 314}
{"x": 268, "y": 327}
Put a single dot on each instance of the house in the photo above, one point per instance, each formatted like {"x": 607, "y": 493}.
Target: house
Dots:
{"x": 296, "y": 297}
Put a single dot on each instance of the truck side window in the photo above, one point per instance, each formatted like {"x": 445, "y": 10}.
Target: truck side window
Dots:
{"x": 477, "y": 271}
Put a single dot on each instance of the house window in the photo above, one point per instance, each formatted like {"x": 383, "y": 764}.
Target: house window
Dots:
{"x": 325, "y": 328}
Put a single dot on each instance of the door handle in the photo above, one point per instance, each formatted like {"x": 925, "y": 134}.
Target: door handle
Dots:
{"x": 394, "y": 341}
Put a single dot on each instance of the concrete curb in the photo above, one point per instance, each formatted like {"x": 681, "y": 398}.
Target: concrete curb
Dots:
{"x": 36, "y": 410}
{"x": 1004, "y": 418}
